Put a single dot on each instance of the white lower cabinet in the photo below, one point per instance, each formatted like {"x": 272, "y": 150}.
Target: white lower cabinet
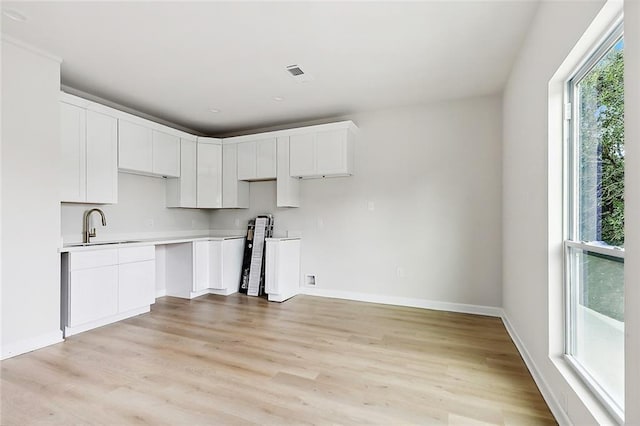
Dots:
{"x": 93, "y": 294}
{"x": 282, "y": 268}
{"x": 136, "y": 277}
{"x": 201, "y": 265}
{"x": 204, "y": 267}
{"x": 104, "y": 286}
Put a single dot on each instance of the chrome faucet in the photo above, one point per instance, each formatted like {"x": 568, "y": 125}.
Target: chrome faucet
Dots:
{"x": 86, "y": 231}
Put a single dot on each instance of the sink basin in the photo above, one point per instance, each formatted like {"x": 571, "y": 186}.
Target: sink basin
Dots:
{"x": 100, "y": 243}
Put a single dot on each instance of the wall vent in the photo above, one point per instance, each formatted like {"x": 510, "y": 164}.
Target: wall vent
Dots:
{"x": 295, "y": 70}
{"x": 297, "y": 73}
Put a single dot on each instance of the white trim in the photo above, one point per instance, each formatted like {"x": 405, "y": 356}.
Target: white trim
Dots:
{"x": 161, "y": 293}
{"x": 30, "y": 48}
{"x": 404, "y": 301}
{"x": 338, "y": 125}
{"x": 554, "y": 405}
{"x": 597, "y": 248}
{"x": 70, "y": 331}
{"x": 87, "y": 100}
{"x": 28, "y": 345}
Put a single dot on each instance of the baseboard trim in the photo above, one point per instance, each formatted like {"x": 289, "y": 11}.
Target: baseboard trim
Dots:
{"x": 404, "y": 301}
{"x": 554, "y": 405}
{"x": 28, "y": 345}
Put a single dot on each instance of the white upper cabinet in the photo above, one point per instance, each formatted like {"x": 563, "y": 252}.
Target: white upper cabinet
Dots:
{"x": 148, "y": 151}
{"x": 209, "y": 173}
{"x": 135, "y": 143}
{"x": 302, "y": 155}
{"x": 235, "y": 193}
{"x": 102, "y": 158}
{"x": 73, "y": 140}
{"x": 257, "y": 160}
{"x": 287, "y": 188}
{"x": 166, "y": 154}
{"x": 325, "y": 150}
{"x": 89, "y": 149}
{"x": 181, "y": 192}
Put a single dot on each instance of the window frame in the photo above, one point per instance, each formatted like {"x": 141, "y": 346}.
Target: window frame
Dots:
{"x": 571, "y": 238}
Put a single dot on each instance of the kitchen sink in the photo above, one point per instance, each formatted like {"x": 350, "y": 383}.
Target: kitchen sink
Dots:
{"x": 100, "y": 243}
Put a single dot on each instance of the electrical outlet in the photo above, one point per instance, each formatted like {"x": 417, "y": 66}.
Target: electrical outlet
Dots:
{"x": 310, "y": 280}
{"x": 400, "y": 272}
{"x": 371, "y": 206}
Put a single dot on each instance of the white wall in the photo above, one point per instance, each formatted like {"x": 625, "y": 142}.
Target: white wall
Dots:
{"x": 30, "y": 208}
{"x": 433, "y": 174}
{"x": 141, "y": 212}
{"x": 532, "y": 213}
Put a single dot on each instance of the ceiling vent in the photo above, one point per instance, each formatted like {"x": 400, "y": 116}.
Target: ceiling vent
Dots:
{"x": 296, "y": 72}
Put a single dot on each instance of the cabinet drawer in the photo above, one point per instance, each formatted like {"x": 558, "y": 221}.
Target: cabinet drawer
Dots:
{"x": 93, "y": 259}
{"x": 136, "y": 254}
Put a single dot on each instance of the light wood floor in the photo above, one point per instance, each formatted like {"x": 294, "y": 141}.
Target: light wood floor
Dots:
{"x": 242, "y": 360}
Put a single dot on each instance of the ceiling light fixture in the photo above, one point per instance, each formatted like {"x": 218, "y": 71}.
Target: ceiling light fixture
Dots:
{"x": 14, "y": 15}
{"x": 278, "y": 98}
{"x": 213, "y": 110}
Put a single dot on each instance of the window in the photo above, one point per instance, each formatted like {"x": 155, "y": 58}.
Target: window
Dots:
{"x": 594, "y": 240}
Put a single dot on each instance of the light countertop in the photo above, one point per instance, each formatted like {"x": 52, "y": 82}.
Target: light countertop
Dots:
{"x": 101, "y": 245}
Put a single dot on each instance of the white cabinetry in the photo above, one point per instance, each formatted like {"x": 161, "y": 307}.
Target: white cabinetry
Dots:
{"x": 89, "y": 149}
{"x": 136, "y": 277}
{"x": 204, "y": 267}
{"x": 322, "y": 152}
{"x": 257, "y": 160}
{"x": 287, "y": 188}
{"x": 148, "y": 151}
{"x": 209, "y": 173}
{"x": 201, "y": 265}
{"x": 235, "y": 193}
{"x": 107, "y": 285}
{"x": 282, "y": 268}
{"x": 181, "y": 192}
{"x": 166, "y": 154}
{"x": 135, "y": 147}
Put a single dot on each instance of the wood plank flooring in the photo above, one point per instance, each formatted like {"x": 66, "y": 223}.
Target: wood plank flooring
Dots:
{"x": 242, "y": 360}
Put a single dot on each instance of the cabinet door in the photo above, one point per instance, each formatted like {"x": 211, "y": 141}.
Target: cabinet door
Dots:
{"x": 235, "y": 193}
{"x": 166, "y": 154}
{"x": 135, "y": 143}
{"x": 201, "y": 268}
{"x": 266, "y": 159}
{"x": 302, "y": 161}
{"x": 232, "y": 256}
{"x": 209, "y": 186}
{"x": 188, "y": 166}
{"x": 93, "y": 294}
{"x": 136, "y": 285}
{"x": 73, "y": 151}
{"x": 102, "y": 158}
{"x": 331, "y": 152}
{"x": 287, "y": 188}
{"x": 246, "y": 161}
{"x": 215, "y": 266}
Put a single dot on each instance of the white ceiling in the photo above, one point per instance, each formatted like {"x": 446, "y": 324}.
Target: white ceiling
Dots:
{"x": 177, "y": 60}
